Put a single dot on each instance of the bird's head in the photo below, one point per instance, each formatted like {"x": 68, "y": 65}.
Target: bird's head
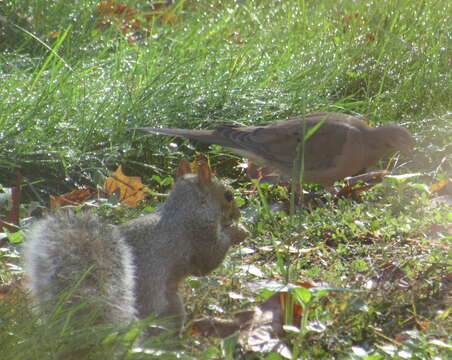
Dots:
{"x": 395, "y": 138}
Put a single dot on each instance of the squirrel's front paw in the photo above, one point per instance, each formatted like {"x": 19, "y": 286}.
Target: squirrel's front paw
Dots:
{"x": 236, "y": 233}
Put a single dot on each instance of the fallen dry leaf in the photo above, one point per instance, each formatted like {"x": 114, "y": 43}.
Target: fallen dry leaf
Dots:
{"x": 358, "y": 184}
{"x": 262, "y": 328}
{"x": 443, "y": 187}
{"x": 128, "y": 189}
{"x": 134, "y": 24}
{"x": 12, "y": 292}
{"x": 369, "y": 37}
{"x": 352, "y": 17}
{"x": 220, "y": 327}
{"x": 75, "y": 197}
{"x": 264, "y": 332}
{"x": 53, "y": 35}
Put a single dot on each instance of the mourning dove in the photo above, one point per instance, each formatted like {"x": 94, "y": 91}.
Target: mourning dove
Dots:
{"x": 342, "y": 146}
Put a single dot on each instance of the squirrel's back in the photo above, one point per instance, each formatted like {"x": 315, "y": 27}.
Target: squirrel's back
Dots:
{"x": 79, "y": 254}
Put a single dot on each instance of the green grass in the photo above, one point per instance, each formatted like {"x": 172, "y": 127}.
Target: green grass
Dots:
{"x": 66, "y": 117}
{"x": 67, "y": 103}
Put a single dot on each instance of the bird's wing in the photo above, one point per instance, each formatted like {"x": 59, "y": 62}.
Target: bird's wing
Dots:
{"x": 277, "y": 143}
{"x": 327, "y": 162}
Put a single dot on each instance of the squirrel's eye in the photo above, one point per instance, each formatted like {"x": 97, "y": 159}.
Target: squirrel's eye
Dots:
{"x": 228, "y": 196}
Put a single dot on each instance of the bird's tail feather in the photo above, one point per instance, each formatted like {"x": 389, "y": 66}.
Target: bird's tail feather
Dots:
{"x": 206, "y": 136}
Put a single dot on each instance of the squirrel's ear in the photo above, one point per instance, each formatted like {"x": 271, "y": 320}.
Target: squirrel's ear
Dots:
{"x": 204, "y": 173}
{"x": 184, "y": 168}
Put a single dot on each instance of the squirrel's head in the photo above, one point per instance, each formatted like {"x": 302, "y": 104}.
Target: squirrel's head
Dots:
{"x": 215, "y": 191}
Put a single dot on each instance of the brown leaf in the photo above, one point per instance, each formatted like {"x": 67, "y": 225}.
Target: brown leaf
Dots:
{"x": 423, "y": 324}
{"x": 443, "y": 187}
{"x": 75, "y": 197}
{"x": 356, "y": 185}
{"x": 369, "y": 37}
{"x": 348, "y": 17}
{"x": 53, "y": 35}
{"x": 261, "y": 329}
{"x": 265, "y": 328}
{"x": 236, "y": 37}
{"x": 305, "y": 284}
{"x": 12, "y": 292}
{"x": 123, "y": 17}
{"x": 129, "y": 189}
{"x": 220, "y": 327}
{"x": 167, "y": 15}
{"x": 132, "y": 23}
{"x": 285, "y": 300}
{"x": 111, "y": 8}
{"x": 401, "y": 337}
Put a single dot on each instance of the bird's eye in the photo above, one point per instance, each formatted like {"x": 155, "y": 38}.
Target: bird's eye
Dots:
{"x": 228, "y": 196}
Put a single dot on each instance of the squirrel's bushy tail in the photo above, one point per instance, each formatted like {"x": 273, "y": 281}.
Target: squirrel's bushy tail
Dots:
{"x": 77, "y": 253}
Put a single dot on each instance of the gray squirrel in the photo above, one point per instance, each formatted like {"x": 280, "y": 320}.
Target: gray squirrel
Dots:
{"x": 132, "y": 271}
